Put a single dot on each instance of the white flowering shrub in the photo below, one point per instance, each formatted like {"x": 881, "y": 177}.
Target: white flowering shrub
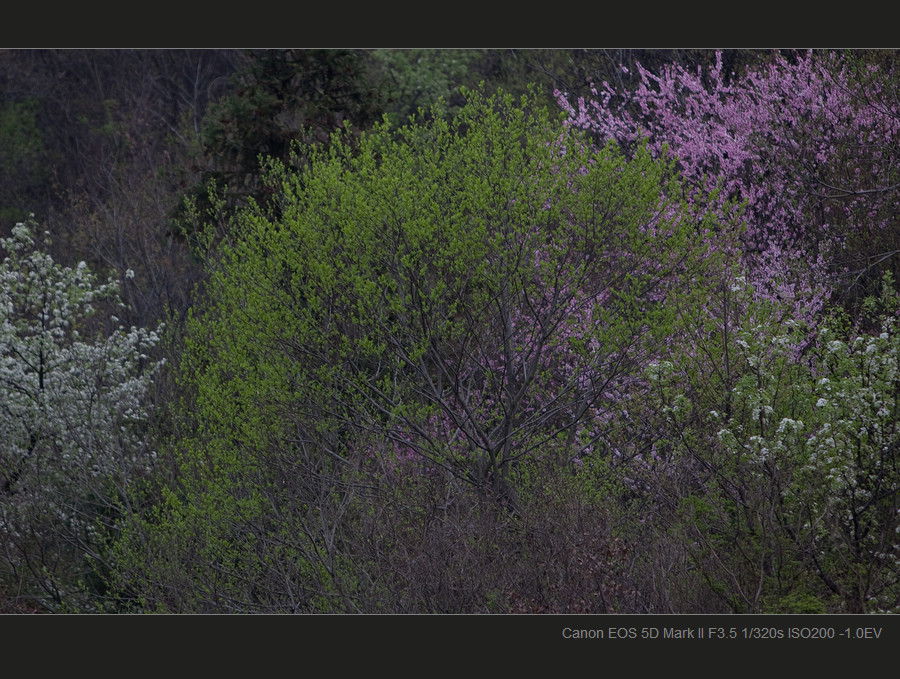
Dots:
{"x": 786, "y": 471}
{"x": 850, "y": 479}
{"x": 71, "y": 415}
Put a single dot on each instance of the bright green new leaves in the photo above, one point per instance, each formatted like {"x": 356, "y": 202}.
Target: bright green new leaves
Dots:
{"x": 488, "y": 280}
{"x": 452, "y": 297}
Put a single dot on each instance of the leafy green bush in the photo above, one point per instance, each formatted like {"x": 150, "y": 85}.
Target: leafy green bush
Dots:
{"x": 426, "y": 320}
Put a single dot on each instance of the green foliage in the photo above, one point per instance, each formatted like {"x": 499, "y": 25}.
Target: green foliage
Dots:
{"x": 432, "y": 308}
{"x": 411, "y": 80}
{"x": 798, "y": 602}
{"x": 23, "y": 158}
{"x": 282, "y": 103}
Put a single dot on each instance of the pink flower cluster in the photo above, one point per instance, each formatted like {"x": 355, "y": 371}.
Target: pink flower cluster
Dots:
{"x": 805, "y": 144}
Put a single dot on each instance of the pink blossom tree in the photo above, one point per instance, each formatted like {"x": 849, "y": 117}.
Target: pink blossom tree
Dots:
{"x": 806, "y": 143}
{"x": 739, "y": 451}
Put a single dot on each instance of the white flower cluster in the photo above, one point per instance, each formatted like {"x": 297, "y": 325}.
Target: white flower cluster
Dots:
{"x": 828, "y": 431}
{"x": 70, "y": 409}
